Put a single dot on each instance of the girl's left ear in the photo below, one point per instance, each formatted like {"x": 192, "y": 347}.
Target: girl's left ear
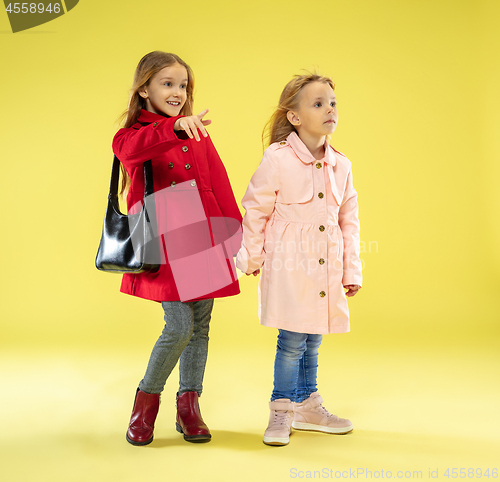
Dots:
{"x": 292, "y": 118}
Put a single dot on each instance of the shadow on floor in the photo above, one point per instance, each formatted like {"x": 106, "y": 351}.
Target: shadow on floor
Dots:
{"x": 221, "y": 439}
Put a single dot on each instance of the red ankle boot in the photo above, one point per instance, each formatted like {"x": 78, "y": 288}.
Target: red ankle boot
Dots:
{"x": 142, "y": 421}
{"x": 189, "y": 421}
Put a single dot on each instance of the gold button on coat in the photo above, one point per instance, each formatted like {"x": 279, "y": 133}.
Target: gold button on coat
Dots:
{"x": 193, "y": 183}
{"x": 320, "y": 195}
{"x": 155, "y": 124}
{"x": 318, "y": 165}
{"x": 173, "y": 183}
{"x": 282, "y": 143}
{"x": 171, "y": 165}
{"x": 184, "y": 148}
{"x": 188, "y": 166}
{"x": 322, "y": 294}
{"x": 321, "y": 261}
{"x": 321, "y": 228}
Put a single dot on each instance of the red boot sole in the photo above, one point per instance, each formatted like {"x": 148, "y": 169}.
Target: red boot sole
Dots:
{"x": 194, "y": 438}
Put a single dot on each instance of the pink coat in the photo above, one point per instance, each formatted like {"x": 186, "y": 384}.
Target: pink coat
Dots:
{"x": 301, "y": 227}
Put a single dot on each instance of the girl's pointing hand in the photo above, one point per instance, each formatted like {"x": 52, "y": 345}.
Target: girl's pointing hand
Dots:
{"x": 192, "y": 123}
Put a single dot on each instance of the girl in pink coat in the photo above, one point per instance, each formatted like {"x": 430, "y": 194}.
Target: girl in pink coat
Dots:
{"x": 301, "y": 228}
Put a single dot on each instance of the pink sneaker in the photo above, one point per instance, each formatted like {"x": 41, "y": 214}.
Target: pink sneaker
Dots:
{"x": 311, "y": 415}
{"x": 280, "y": 422}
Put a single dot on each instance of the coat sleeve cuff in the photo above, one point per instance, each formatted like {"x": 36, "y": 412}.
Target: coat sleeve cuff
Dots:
{"x": 242, "y": 260}
{"x": 352, "y": 278}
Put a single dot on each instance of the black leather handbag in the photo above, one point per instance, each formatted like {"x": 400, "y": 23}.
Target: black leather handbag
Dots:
{"x": 128, "y": 242}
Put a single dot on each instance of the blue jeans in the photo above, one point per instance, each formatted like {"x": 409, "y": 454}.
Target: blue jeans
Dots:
{"x": 185, "y": 340}
{"x": 295, "y": 365}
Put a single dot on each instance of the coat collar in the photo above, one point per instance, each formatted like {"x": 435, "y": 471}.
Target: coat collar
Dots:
{"x": 303, "y": 153}
{"x": 146, "y": 116}
{"x": 330, "y": 159}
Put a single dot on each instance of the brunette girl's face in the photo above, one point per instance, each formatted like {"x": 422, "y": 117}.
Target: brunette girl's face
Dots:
{"x": 317, "y": 113}
{"x": 166, "y": 92}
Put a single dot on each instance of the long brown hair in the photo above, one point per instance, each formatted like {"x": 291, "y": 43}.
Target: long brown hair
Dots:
{"x": 148, "y": 66}
{"x": 278, "y": 127}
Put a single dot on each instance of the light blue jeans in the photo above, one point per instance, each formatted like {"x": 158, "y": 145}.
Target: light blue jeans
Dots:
{"x": 185, "y": 339}
{"x": 295, "y": 365}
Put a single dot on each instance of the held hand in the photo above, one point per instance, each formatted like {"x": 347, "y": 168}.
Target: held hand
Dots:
{"x": 255, "y": 273}
{"x": 192, "y": 123}
{"x": 352, "y": 289}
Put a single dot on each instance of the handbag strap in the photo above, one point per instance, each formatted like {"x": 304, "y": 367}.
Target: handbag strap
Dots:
{"x": 115, "y": 176}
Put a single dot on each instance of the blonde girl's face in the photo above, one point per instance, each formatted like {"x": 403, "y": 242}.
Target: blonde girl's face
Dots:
{"x": 317, "y": 112}
{"x": 167, "y": 91}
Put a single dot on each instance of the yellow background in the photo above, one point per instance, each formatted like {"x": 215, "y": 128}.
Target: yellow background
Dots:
{"x": 417, "y": 88}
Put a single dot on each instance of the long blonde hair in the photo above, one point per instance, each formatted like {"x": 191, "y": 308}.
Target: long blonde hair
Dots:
{"x": 278, "y": 127}
{"x": 148, "y": 66}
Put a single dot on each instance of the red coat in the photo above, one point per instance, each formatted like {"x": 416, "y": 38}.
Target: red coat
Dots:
{"x": 177, "y": 159}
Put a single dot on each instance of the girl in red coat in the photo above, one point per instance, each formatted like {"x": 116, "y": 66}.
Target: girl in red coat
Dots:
{"x": 198, "y": 224}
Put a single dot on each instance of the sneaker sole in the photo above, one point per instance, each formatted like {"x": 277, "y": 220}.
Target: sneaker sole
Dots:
{"x": 311, "y": 427}
{"x": 276, "y": 441}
